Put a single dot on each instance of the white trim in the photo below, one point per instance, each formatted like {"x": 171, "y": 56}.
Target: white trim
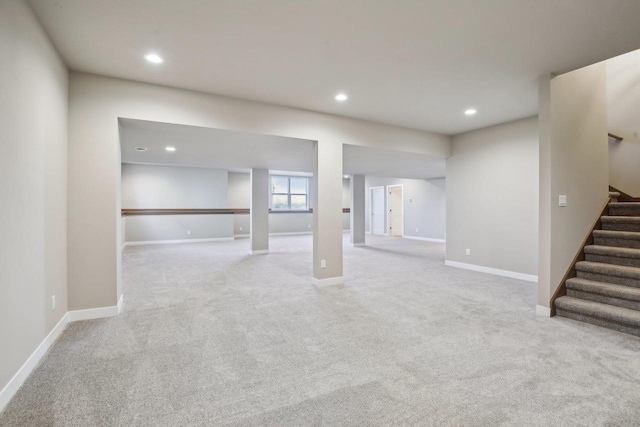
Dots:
{"x": 291, "y": 233}
{"x": 357, "y": 245}
{"x": 241, "y": 236}
{"x": 260, "y": 252}
{"x": 543, "y": 311}
{"x": 386, "y": 195}
{"x": 97, "y": 313}
{"x": 25, "y": 370}
{"x": 426, "y": 239}
{"x": 166, "y": 242}
{"x": 331, "y": 281}
{"x": 496, "y": 271}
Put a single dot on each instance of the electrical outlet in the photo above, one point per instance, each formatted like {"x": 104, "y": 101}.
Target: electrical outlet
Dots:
{"x": 240, "y": 228}
{"x": 188, "y": 231}
{"x": 53, "y": 302}
{"x": 416, "y": 230}
{"x": 468, "y": 252}
{"x": 323, "y": 263}
{"x": 309, "y": 226}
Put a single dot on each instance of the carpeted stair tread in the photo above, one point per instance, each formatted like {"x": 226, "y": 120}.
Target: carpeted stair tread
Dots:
{"x": 612, "y": 251}
{"x": 624, "y": 208}
{"x": 609, "y": 313}
{"x": 605, "y": 289}
{"x": 608, "y": 269}
{"x": 621, "y": 219}
{"x": 613, "y": 234}
{"x": 614, "y": 194}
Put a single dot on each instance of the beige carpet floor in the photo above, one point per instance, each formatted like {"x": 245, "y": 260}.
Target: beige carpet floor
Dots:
{"x": 213, "y": 336}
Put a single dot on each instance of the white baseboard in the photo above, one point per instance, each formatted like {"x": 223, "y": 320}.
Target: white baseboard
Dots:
{"x": 260, "y": 252}
{"x": 328, "y": 282}
{"x": 426, "y": 239}
{"x": 496, "y": 271}
{"x": 241, "y": 236}
{"x": 166, "y": 242}
{"x": 291, "y": 233}
{"x": 357, "y": 245}
{"x": 543, "y": 311}
{"x": 25, "y": 370}
{"x": 96, "y": 313}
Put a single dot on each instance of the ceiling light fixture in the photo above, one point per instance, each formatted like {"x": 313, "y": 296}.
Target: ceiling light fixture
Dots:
{"x": 154, "y": 58}
{"x": 341, "y": 97}
{"x": 170, "y": 148}
{"x": 141, "y": 149}
{"x": 470, "y": 112}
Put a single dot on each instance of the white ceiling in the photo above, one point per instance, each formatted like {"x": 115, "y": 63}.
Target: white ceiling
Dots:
{"x": 417, "y": 64}
{"x": 240, "y": 151}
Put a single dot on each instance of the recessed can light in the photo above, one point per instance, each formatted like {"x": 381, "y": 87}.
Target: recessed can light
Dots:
{"x": 170, "y": 148}
{"x": 341, "y": 97}
{"x": 141, "y": 149}
{"x": 154, "y": 58}
{"x": 470, "y": 111}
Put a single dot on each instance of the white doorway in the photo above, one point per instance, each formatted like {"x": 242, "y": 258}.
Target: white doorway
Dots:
{"x": 377, "y": 211}
{"x": 395, "y": 210}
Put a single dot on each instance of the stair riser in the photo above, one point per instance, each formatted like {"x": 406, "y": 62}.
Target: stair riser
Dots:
{"x": 629, "y": 262}
{"x": 626, "y": 281}
{"x": 599, "y": 322}
{"x": 633, "y": 305}
{"x": 624, "y": 210}
{"x": 614, "y": 226}
{"x": 617, "y": 243}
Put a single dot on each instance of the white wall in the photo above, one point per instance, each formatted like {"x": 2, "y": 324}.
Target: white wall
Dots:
{"x": 424, "y": 205}
{"x": 623, "y": 96}
{"x": 167, "y": 187}
{"x": 33, "y": 186}
{"x": 624, "y": 165}
{"x": 492, "y": 197}
{"x": 173, "y": 187}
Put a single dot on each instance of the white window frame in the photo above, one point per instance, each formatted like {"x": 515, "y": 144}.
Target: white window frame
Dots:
{"x": 289, "y": 193}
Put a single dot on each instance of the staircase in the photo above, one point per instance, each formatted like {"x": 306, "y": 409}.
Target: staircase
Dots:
{"x": 606, "y": 289}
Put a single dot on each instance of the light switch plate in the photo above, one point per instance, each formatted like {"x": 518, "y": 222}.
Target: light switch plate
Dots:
{"x": 562, "y": 200}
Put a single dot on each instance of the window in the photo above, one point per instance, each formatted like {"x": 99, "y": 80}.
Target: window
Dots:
{"x": 289, "y": 193}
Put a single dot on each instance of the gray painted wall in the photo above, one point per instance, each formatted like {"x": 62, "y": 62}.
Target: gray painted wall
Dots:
{"x": 164, "y": 187}
{"x": 492, "y": 197}
{"x": 424, "y": 205}
{"x": 33, "y": 186}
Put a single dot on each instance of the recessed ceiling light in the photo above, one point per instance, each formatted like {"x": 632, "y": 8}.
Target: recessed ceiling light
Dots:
{"x": 154, "y": 57}
{"x": 170, "y": 148}
{"x": 470, "y": 111}
{"x": 141, "y": 149}
{"x": 341, "y": 97}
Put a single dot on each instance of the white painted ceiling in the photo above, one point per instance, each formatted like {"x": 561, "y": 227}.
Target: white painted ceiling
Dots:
{"x": 623, "y": 95}
{"x": 417, "y": 64}
{"x": 241, "y": 151}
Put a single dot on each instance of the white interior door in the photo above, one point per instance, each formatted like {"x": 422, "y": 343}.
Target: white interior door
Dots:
{"x": 396, "y": 214}
{"x": 377, "y": 210}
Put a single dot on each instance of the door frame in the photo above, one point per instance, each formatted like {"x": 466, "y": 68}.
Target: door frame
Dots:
{"x": 388, "y": 216}
{"x": 384, "y": 204}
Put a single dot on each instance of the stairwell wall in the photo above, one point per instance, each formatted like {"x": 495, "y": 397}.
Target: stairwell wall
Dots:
{"x": 573, "y": 162}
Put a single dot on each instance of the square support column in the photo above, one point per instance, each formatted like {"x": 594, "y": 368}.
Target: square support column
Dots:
{"x": 357, "y": 189}
{"x": 327, "y": 213}
{"x": 259, "y": 211}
